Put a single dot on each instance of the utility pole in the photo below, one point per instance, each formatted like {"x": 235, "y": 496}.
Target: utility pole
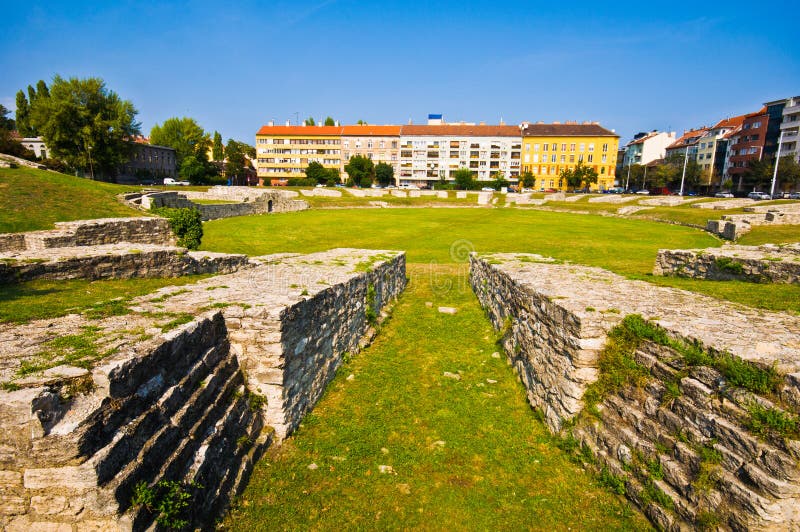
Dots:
{"x": 91, "y": 167}
{"x": 683, "y": 176}
{"x": 777, "y": 160}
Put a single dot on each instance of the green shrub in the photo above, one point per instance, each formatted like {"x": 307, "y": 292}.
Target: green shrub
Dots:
{"x": 168, "y": 499}
{"x": 306, "y": 182}
{"x": 610, "y": 480}
{"x": 728, "y": 265}
{"x": 187, "y": 224}
{"x": 770, "y": 421}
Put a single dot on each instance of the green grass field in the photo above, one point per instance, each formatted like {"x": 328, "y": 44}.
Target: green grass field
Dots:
{"x": 464, "y": 454}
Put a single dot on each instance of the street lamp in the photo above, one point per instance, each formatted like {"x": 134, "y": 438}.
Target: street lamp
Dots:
{"x": 91, "y": 167}
{"x": 777, "y": 160}
{"x": 683, "y": 176}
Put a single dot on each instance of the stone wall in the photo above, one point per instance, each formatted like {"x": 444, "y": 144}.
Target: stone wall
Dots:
{"x": 259, "y": 202}
{"x": 142, "y": 230}
{"x": 115, "y": 261}
{"x": 732, "y": 226}
{"x": 188, "y": 404}
{"x": 768, "y": 263}
{"x": 680, "y": 445}
{"x": 173, "y": 408}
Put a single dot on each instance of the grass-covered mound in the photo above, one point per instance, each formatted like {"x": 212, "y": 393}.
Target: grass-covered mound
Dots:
{"x": 35, "y": 199}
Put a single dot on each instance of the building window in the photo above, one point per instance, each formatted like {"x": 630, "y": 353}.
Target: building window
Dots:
{"x": 553, "y": 158}
{"x": 591, "y": 147}
{"x": 605, "y": 147}
{"x": 572, "y": 147}
{"x": 563, "y": 147}
{"x": 572, "y": 158}
{"x": 527, "y": 147}
{"x": 555, "y": 146}
{"x": 563, "y": 158}
{"x": 544, "y": 147}
{"x": 582, "y": 147}
{"x": 590, "y": 157}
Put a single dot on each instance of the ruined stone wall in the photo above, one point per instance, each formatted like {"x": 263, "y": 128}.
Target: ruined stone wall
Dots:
{"x": 172, "y": 408}
{"x": 681, "y": 445}
{"x": 117, "y": 261}
{"x": 769, "y": 263}
{"x": 255, "y": 203}
{"x": 141, "y": 230}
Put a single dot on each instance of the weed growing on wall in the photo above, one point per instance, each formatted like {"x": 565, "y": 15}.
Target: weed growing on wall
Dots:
{"x": 187, "y": 225}
{"x": 168, "y": 499}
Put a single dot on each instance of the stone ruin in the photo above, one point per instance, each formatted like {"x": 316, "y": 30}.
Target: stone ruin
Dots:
{"x": 769, "y": 263}
{"x": 244, "y": 201}
{"x": 732, "y": 226}
{"x": 189, "y": 384}
{"x": 681, "y": 445}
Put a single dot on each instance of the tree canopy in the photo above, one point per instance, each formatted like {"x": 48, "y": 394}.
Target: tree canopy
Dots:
{"x": 384, "y": 174}
{"x": 360, "y": 171}
{"x": 217, "y": 150}
{"x": 329, "y": 121}
{"x": 581, "y": 176}
{"x": 465, "y": 180}
{"x": 84, "y": 123}
{"x": 235, "y": 163}
{"x": 527, "y": 180}
{"x": 6, "y": 123}
{"x": 184, "y": 135}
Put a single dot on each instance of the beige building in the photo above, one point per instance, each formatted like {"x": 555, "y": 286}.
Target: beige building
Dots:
{"x": 381, "y": 144}
{"x": 284, "y": 152}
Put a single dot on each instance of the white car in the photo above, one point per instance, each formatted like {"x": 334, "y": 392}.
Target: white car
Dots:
{"x": 723, "y": 195}
{"x": 487, "y": 189}
{"x": 643, "y": 192}
{"x": 170, "y": 181}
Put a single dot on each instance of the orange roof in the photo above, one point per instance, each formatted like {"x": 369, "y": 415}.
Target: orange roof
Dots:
{"x": 300, "y": 130}
{"x": 462, "y": 130}
{"x": 729, "y": 122}
{"x": 370, "y": 130}
{"x": 732, "y": 133}
{"x": 760, "y": 112}
{"x": 689, "y": 137}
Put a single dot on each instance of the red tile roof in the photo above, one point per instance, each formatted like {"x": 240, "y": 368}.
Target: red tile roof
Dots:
{"x": 309, "y": 131}
{"x": 370, "y": 130}
{"x": 689, "y": 138}
{"x": 644, "y": 138}
{"x": 729, "y": 122}
{"x": 462, "y": 130}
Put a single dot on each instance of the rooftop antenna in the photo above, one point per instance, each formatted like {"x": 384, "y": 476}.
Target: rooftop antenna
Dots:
{"x": 297, "y": 118}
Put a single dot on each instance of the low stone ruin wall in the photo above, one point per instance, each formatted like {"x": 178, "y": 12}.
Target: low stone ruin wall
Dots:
{"x": 682, "y": 442}
{"x": 760, "y": 264}
{"x": 191, "y": 403}
{"x": 263, "y": 203}
{"x": 732, "y": 226}
{"x": 115, "y": 261}
{"x": 142, "y": 230}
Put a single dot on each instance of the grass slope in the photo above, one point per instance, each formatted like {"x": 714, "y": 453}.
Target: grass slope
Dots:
{"x": 34, "y": 199}
{"x": 465, "y": 454}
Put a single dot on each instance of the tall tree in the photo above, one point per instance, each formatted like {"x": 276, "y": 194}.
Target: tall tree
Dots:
{"x": 788, "y": 173}
{"x": 527, "y": 180}
{"x": 85, "y": 124}
{"x": 581, "y": 176}
{"x": 6, "y": 123}
{"x": 758, "y": 174}
{"x": 217, "y": 150}
{"x": 184, "y": 135}
{"x": 310, "y": 121}
{"x": 42, "y": 90}
{"x": 234, "y": 167}
{"x": 384, "y": 174}
{"x": 360, "y": 171}
{"x": 465, "y": 180}
{"x": 329, "y": 121}
{"x": 24, "y": 116}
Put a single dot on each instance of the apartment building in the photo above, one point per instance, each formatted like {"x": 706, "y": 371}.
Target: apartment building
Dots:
{"x": 284, "y": 152}
{"x": 381, "y": 144}
{"x": 745, "y": 145}
{"x": 790, "y": 128}
{"x": 548, "y": 149}
{"x": 430, "y": 153}
{"x": 688, "y": 143}
{"x": 648, "y": 147}
{"x": 712, "y": 147}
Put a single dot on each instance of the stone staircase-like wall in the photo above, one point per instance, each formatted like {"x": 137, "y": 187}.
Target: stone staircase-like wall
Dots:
{"x": 682, "y": 444}
{"x": 761, "y": 264}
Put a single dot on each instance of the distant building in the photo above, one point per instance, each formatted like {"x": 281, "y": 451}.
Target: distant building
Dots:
{"x": 284, "y": 152}
{"x": 647, "y": 147}
{"x": 712, "y": 148}
{"x": 687, "y": 144}
{"x": 36, "y": 145}
{"x": 790, "y": 127}
{"x": 380, "y": 144}
{"x": 549, "y": 149}
{"x": 745, "y": 145}
{"x": 148, "y": 162}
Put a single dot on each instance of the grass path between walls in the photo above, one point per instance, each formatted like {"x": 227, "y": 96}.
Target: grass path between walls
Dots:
{"x": 426, "y": 429}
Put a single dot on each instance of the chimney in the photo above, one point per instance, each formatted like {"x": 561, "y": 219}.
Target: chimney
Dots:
{"x": 502, "y": 122}
{"x": 271, "y": 123}
{"x": 482, "y": 123}
{"x": 288, "y": 122}
{"x": 337, "y": 123}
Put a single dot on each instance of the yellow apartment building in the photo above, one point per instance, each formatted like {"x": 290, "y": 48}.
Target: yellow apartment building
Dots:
{"x": 284, "y": 152}
{"x": 548, "y": 149}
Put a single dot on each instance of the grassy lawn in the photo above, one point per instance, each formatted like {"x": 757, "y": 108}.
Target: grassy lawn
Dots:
{"x": 624, "y": 246}
{"x": 464, "y": 454}
{"x": 771, "y": 234}
{"x": 34, "y": 199}
{"x": 43, "y": 299}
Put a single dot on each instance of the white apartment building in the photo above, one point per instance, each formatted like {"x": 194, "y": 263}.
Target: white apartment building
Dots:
{"x": 648, "y": 147}
{"x": 790, "y": 128}
{"x": 429, "y": 153}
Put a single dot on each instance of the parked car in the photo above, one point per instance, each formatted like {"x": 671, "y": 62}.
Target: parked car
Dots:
{"x": 171, "y": 181}
{"x": 487, "y": 189}
{"x": 644, "y": 191}
{"x": 723, "y": 195}
{"x": 759, "y": 195}
{"x": 794, "y": 195}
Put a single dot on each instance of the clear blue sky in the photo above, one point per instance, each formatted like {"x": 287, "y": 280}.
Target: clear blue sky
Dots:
{"x": 631, "y": 65}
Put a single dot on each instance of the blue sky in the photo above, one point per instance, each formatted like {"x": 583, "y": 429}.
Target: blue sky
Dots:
{"x": 632, "y": 66}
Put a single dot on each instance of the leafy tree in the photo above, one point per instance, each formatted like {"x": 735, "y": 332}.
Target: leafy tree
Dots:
{"x": 527, "y": 180}
{"x": 6, "y": 123}
{"x": 84, "y": 123}
{"x": 384, "y": 174}
{"x": 361, "y": 171}
{"x": 184, "y": 135}
{"x": 581, "y": 176}
{"x": 465, "y": 180}
{"x": 42, "y": 90}
{"x": 23, "y": 117}
{"x": 758, "y": 174}
{"x": 361, "y": 123}
{"x": 498, "y": 181}
{"x": 788, "y": 172}
{"x": 329, "y": 121}
{"x": 217, "y": 150}
{"x": 197, "y": 170}
{"x": 235, "y": 165}
{"x": 310, "y": 121}
{"x": 333, "y": 177}
{"x": 187, "y": 224}
{"x": 636, "y": 173}
{"x": 317, "y": 172}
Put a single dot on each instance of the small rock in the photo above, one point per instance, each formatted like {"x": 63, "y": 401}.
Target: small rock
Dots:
{"x": 624, "y": 454}
{"x": 350, "y": 377}
{"x": 448, "y": 310}
{"x": 384, "y": 450}
{"x": 312, "y": 466}
{"x": 449, "y": 375}
{"x": 491, "y": 381}
{"x": 429, "y": 304}
{"x": 438, "y": 443}
{"x": 386, "y": 470}
{"x": 495, "y": 355}
{"x": 405, "y": 489}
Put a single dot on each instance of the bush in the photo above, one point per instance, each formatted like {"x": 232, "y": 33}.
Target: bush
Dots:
{"x": 186, "y": 224}
{"x": 54, "y": 164}
{"x": 307, "y": 182}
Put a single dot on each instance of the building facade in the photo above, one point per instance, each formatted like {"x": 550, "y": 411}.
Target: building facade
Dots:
{"x": 381, "y": 144}
{"x": 745, "y": 145}
{"x": 36, "y": 145}
{"x": 284, "y": 152}
{"x": 431, "y": 153}
{"x": 688, "y": 143}
{"x": 790, "y": 128}
{"x": 148, "y": 162}
{"x": 712, "y": 148}
{"x": 549, "y": 149}
{"x": 647, "y": 147}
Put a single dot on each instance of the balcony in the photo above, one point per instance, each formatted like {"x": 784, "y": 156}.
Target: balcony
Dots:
{"x": 791, "y": 110}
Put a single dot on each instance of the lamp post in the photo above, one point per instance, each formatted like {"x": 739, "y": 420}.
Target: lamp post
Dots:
{"x": 683, "y": 176}
{"x": 91, "y": 167}
{"x": 777, "y": 160}
{"x": 628, "y": 179}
